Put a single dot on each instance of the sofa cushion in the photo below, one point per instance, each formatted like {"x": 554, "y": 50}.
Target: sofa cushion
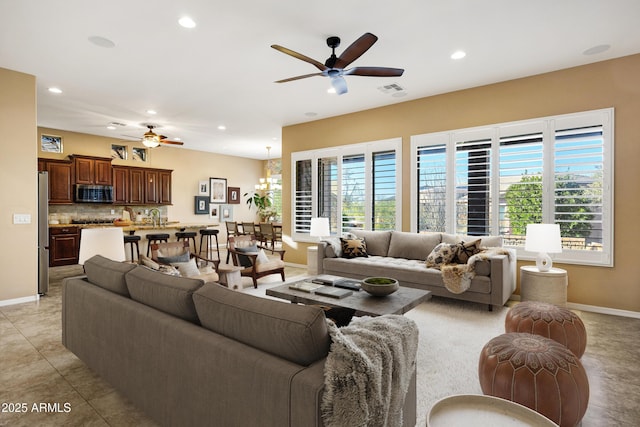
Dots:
{"x": 108, "y": 274}
{"x": 169, "y": 294}
{"x": 354, "y": 248}
{"x": 485, "y": 241}
{"x": 377, "y": 241}
{"x": 297, "y": 333}
{"x": 413, "y": 245}
{"x": 443, "y": 253}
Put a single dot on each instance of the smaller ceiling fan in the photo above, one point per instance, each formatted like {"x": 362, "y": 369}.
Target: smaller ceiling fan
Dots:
{"x": 334, "y": 66}
{"x": 152, "y": 140}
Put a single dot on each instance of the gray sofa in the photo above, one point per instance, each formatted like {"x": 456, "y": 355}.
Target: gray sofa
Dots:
{"x": 402, "y": 255}
{"x": 193, "y": 354}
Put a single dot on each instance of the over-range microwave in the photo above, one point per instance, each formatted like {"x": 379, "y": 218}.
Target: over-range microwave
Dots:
{"x": 93, "y": 193}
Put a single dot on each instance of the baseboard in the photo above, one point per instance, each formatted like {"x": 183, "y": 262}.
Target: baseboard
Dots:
{"x": 594, "y": 309}
{"x": 19, "y": 300}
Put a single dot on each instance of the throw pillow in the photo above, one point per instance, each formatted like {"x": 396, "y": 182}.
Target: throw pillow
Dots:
{"x": 443, "y": 253}
{"x": 262, "y": 257}
{"x": 187, "y": 269}
{"x": 244, "y": 260}
{"x": 148, "y": 262}
{"x": 353, "y": 248}
{"x": 176, "y": 258}
{"x": 466, "y": 250}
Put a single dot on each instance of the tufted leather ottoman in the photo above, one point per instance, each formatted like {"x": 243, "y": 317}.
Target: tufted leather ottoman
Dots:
{"x": 536, "y": 372}
{"x": 548, "y": 320}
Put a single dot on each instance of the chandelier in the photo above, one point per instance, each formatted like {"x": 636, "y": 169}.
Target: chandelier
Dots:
{"x": 266, "y": 182}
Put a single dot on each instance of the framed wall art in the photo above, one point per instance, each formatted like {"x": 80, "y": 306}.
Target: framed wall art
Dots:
{"x": 203, "y": 188}
{"x": 226, "y": 213}
{"x": 233, "y": 195}
{"x": 201, "y": 205}
{"x": 218, "y": 190}
{"x": 51, "y": 143}
{"x": 214, "y": 212}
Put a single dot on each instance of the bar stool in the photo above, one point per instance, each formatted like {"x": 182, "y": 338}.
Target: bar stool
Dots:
{"x": 208, "y": 233}
{"x": 156, "y": 238}
{"x": 186, "y": 235}
{"x": 133, "y": 240}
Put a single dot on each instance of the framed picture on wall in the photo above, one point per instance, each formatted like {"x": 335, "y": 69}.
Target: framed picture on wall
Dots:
{"x": 226, "y": 213}
{"x": 214, "y": 212}
{"x": 51, "y": 143}
{"x": 218, "y": 190}
{"x": 201, "y": 205}
{"x": 203, "y": 188}
{"x": 233, "y": 195}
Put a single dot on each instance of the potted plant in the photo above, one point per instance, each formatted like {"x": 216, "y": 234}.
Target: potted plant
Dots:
{"x": 262, "y": 202}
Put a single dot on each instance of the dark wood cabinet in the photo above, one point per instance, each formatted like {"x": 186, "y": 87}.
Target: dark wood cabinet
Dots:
{"x": 151, "y": 186}
{"x": 120, "y": 185}
{"x": 60, "y": 180}
{"x": 64, "y": 245}
{"x": 92, "y": 170}
{"x": 136, "y": 186}
{"x": 164, "y": 187}
{"x": 141, "y": 186}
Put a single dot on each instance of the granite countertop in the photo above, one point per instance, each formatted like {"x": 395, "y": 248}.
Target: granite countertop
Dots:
{"x": 170, "y": 225}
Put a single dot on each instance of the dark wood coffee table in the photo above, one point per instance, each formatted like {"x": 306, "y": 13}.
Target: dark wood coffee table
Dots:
{"x": 399, "y": 302}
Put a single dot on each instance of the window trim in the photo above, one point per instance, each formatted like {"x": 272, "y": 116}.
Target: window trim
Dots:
{"x": 366, "y": 148}
{"x": 548, "y": 124}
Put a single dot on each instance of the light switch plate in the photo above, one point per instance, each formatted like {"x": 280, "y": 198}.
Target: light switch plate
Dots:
{"x": 22, "y": 218}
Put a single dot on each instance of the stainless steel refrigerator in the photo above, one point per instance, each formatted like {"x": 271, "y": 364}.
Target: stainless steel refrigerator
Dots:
{"x": 43, "y": 233}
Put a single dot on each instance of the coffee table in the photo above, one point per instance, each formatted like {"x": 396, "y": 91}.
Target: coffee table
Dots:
{"x": 399, "y": 302}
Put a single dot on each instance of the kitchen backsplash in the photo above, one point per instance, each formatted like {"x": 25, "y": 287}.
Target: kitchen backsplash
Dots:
{"x": 65, "y": 214}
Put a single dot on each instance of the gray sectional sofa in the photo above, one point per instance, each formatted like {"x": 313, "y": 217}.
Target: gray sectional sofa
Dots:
{"x": 193, "y": 354}
{"x": 402, "y": 255}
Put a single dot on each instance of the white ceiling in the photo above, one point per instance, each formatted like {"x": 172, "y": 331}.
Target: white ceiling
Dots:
{"x": 222, "y": 71}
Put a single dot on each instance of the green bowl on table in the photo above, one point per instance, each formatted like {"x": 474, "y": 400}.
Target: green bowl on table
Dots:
{"x": 380, "y": 286}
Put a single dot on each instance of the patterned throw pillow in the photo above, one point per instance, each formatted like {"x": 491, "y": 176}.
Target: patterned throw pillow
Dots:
{"x": 353, "y": 248}
{"x": 466, "y": 250}
{"x": 443, "y": 253}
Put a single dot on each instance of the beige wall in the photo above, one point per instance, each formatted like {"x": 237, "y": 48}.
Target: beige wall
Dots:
{"x": 18, "y": 189}
{"x": 606, "y": 84}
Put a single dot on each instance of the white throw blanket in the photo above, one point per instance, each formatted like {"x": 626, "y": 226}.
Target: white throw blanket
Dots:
{"x": 457, "y": 277}
{"x": 368, "y": 371}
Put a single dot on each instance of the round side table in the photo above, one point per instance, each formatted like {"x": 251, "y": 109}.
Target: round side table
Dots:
{"x": 544, "y": 286}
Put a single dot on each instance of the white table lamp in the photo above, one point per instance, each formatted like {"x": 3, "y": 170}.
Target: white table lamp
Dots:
{"x": 108, "y": 242}
{"x": 319, "y": 228}
{"x": 544, "y": 239}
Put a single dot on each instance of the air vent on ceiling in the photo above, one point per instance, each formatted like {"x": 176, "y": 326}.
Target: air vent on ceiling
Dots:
{"x": 117, "y": 124}
{"x": 392, "y": 88}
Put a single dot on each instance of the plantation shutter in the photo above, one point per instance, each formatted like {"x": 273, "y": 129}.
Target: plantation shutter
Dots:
{"x": 353, "y": 192}
{"x": 432, "y": 187}
{"x": 384, "y": 191}
{"x": 473, "y": 187}
{"x": 303, "y": 197}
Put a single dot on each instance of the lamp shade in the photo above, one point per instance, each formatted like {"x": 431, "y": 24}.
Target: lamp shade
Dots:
{"x": 319, "y": 227}
{"x": 543, "y": 238}
{"x": 108, "y": 242}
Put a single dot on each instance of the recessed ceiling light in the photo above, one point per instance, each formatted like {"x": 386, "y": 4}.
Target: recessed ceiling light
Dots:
{"x": 458, "y": 54}
{"x": 222, "y": 127}
{"x": 152, "y": 112}
{"x": 111, "y": 127}
{"x": 55, "y": 90}
{"x": 186, "y": 22}
{"x": 596, "y": 49}
{"x": 101, "y": 42}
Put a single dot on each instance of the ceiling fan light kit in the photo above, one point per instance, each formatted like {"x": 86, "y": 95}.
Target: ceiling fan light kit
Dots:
{"x": 152, "y": 140}
{"x": 334, "y": 66}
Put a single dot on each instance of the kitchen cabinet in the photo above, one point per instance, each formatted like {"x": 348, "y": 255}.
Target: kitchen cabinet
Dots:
{"x": 141, "y": 186}
{"x": 92, "y": 170}
{"x": 64, "y": 245}
{"x": 60, "y": 180}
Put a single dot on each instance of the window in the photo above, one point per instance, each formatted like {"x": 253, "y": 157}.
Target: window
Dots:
{"x": 355, "y": 186}
{"x": 497, "y": 179}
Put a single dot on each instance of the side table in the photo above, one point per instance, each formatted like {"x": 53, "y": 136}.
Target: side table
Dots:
{"x": 312, "y": 260}
{"x": 230, "y": 276}
{"x": 544, "y": 286}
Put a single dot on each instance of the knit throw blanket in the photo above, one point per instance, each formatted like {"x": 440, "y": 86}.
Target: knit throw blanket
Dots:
{"x": 457, "y": 277}
{"x": 368, "y": 371}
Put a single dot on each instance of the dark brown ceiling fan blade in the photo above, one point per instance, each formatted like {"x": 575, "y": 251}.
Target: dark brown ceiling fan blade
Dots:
{"x": 355, "y": 50}
{"x": 319, "y": 65}
{"x": 165, "y": 141}
{"x": 374, "y": 71}
{"x": 290, "y": 79}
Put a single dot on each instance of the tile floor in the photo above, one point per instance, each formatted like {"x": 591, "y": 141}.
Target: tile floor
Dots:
{"x": 36, "y": 369}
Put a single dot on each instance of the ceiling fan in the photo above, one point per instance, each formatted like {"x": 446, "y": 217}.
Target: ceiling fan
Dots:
{"x": 334, "y": 66}
{"x": 151, "y": 139}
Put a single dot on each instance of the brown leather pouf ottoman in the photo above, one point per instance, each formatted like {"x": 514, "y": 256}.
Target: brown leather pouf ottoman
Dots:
{"x": 548, "y": 320}
{"x": 536, "y": 372}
